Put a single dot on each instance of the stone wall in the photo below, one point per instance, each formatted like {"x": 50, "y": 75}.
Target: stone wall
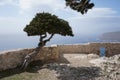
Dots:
{"x": 111, "y": 48}
{"x": 12, "y": 59}
{"x": 76, "y": 48}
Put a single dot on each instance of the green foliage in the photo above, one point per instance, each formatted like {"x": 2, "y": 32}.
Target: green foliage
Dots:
{"x": 44, "y": 23}
{"x": 80, "y": 5}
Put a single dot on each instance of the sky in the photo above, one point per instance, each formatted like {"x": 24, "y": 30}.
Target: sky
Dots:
{"x": 16, "y": 14}
{"x": 104, "y": 17}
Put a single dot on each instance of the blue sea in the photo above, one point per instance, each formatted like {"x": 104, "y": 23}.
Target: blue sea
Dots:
{"x": 15, "y": 41}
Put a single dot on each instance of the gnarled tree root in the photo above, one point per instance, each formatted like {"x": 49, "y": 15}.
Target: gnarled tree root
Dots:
{"x": 28, "y": 58}
{"x": 26, "y": 62}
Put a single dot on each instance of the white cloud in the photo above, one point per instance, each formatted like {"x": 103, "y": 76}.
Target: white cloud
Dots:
{"x": 95, "y": 12}
{"x": 11, "y": 2}
{"x": 10, "y": 25}
{"x": 30, "y": 4}
{"x": 2, "y": 2}
{"x": 97, "y": 20}
{"x": 55, "y": 6}
{"x": 98, "y": 12}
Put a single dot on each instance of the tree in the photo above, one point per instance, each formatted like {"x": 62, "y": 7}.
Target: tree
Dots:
{"x": 80, "y": 5}
{"x": 46, "y": 26}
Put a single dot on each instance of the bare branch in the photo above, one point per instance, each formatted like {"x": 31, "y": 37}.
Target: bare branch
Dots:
{"x": 49, "y": 38}
{"x": 45, "y": 41}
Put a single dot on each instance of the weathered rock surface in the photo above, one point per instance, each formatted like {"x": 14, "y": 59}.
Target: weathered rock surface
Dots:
{"x": 110, "y": 67}
{"x": 104, "y": 68}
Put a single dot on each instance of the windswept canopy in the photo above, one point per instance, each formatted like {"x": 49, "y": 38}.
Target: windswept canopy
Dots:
{"x": 47, "y": 23}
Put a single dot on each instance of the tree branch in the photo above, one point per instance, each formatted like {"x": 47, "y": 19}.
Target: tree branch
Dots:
{"x": 43, "y": 42}
{"x": 49, "y": 38}
{"x": 42, "y": 37}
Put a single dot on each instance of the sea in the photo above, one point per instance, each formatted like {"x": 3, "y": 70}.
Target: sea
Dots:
{"x": 20, "y": 41}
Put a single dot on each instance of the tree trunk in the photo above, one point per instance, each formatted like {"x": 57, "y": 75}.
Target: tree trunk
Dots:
{"x": 33, "y": 54}
{"x": 29, "y": 57}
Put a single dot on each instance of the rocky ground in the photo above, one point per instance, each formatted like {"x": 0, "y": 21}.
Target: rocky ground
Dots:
{"x": 77, "y": 67}
{"x": 110, "y": 67}
{"x": 88, "y": 67}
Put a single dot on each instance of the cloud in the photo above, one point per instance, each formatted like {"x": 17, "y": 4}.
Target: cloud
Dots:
{"x": 10, "y": 2}
{"x": 12, "y": 25}
{"x": 95, "y": 12}
{"x": 44, "y": 5}
{"x": 96, "y": 21}
{"x": 2, "y": 2}
{"x": 101, "y": 12}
